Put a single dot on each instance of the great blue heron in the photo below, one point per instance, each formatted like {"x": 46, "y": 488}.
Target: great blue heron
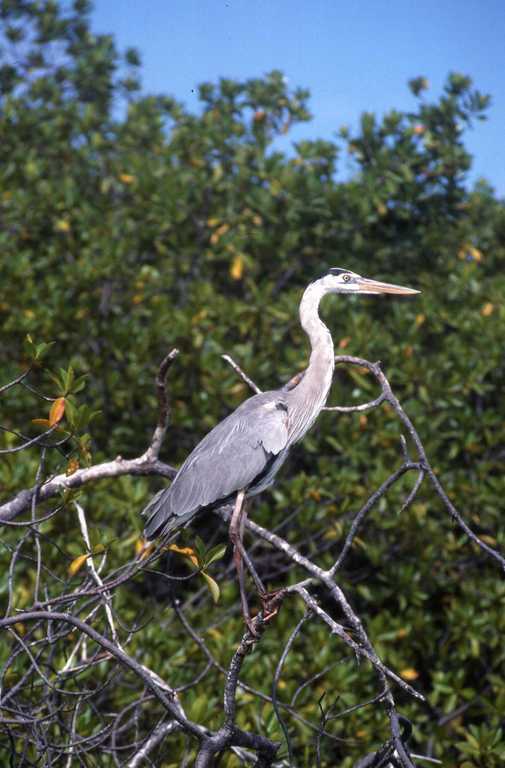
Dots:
{"x": 242, "y": 454}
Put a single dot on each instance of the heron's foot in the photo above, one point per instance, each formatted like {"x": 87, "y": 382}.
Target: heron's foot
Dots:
{"x": 271, "y": 603}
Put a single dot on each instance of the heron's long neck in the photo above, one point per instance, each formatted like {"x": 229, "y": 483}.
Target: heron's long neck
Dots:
{"x": 311, "y": 394}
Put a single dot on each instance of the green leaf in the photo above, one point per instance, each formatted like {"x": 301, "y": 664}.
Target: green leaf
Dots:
{"x": 200, "y": 548}
{"x": 213, "y": 586}
{"x": 216, "y": 553}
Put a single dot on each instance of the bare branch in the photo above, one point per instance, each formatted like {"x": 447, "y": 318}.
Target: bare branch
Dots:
{"x": 250, "y": 383}
{"x": 153, "y": 451}
{"x": 375, "y": 368}
{"x": 32, "y": 441}
{"x": 63, "y": 482}
{"x": 15, "y": 381}
{"x": 157, "y": 736}
{"x": 229, "y": 734}
{"x": 169, "y": 703}
{"x": 365, "y": 509}
{"x": 356, "y": 408}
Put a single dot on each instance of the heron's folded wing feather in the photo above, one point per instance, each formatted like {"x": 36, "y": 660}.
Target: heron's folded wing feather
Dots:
{"x": 227, "y": 460}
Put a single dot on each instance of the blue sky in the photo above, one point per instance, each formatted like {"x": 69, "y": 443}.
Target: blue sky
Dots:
{"x": 353, "y": 56}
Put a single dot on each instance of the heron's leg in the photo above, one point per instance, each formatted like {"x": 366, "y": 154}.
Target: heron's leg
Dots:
{"x": 236, "y": 533}
{"x": 237, "y": 523}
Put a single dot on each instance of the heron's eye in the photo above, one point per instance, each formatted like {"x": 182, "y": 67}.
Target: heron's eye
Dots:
{"x": 346, "y": 278}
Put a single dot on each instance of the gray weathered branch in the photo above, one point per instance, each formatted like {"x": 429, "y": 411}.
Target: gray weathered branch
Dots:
{"x": 63, "y": 482}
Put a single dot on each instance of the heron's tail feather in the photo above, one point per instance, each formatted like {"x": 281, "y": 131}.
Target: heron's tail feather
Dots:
{"x": 161, "y": 518}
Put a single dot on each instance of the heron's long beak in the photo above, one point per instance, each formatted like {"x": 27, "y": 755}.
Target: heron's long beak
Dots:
{"x": 375, "y": 286}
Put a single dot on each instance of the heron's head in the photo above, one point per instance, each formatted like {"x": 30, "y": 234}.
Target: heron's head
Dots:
{"x": 344, "y": 281}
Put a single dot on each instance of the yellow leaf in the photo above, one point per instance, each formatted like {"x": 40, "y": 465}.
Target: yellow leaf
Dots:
{"x": 402, "y": 632}
{"x": 76, "y": 564}
{"x": 218, "y": 233}
{"x": 237, "y": 267}
{"x": 72, "y": 466}
{"x": 488, "y": 539}
{"x": 409, "y": 673}
{"x": 363, "y": 421}
{"x": 420, "y": 319}
{"x": 186, "y": 552}
{"x": 143, "y": 549}
{"x": 138, "y": 298}
{"x": 57, "y": 411}
{"x": 139, "y": 546}
{"x": 62, "y": 225}
{"x": 126, "y": 178}
{"x": 468, "y": 252}
{"x": 408, "y": 351}
{"x": 41, "y": 422}
{"x": 212, "y": 222}
{"x": 487, "y": 309}
{"x": 213, "y": 586}
{"x": 20, "y": 628}
{"x": 201, "y": 315}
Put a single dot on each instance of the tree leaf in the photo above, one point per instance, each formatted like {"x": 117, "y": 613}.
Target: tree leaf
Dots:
{"x": 142, "y": 549}
{"x": 57, "y": 411}
{"x": 200, "y": 548}
{"x": 72, "y": 466}
{"x": 237, "y": 267}
{"x": 216, "y": 553}
{"x": 409, "y": 673}
{"x": 186, "y": 552}
{"x": 76, "y": 564}
{"x": 213, "y": 586}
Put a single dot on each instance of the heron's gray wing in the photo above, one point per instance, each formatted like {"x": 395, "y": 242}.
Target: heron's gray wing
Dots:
{"x": 236, "y": 452}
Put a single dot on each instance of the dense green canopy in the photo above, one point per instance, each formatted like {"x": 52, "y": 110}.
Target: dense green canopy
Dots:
{"x": 131, "y": 225}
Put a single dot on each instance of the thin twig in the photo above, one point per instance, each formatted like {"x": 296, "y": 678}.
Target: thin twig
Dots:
{"x": 153, "y": 451}
{"x": 250, "y": 383}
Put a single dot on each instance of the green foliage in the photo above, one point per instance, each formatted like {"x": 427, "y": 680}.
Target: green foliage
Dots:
{"x": 131, "y": 225}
